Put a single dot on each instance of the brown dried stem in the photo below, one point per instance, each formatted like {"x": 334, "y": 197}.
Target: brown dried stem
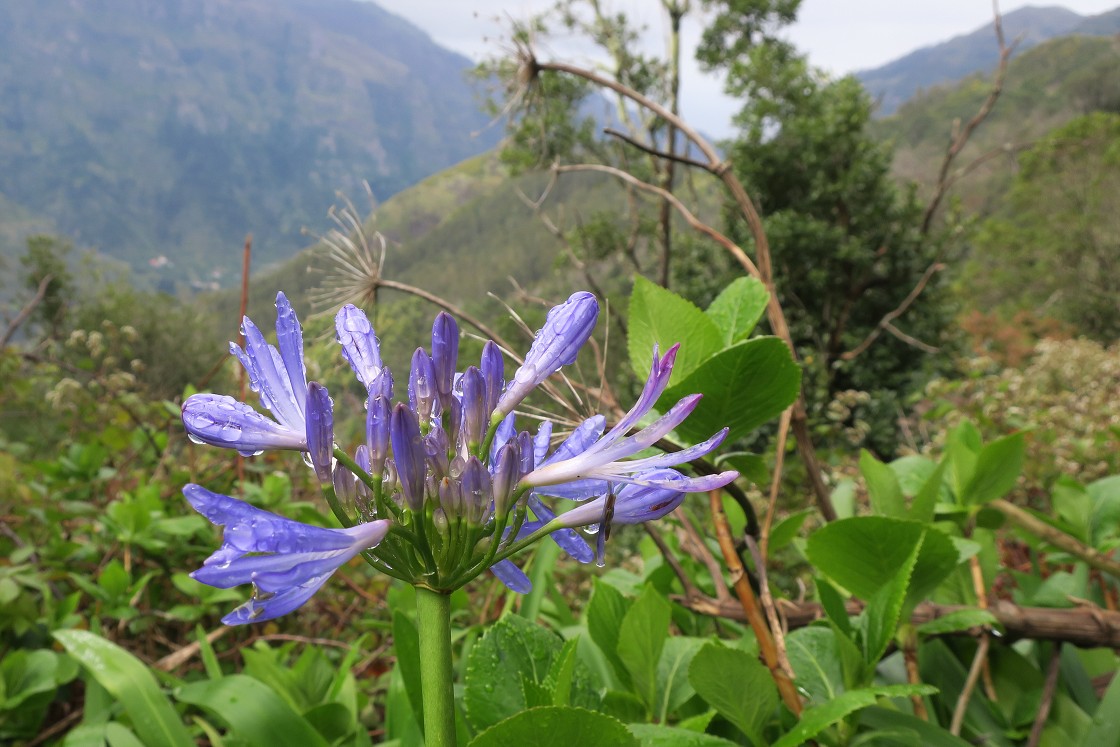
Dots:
{"x": 1056, "y": 537}
{"x": 750, "y": 609}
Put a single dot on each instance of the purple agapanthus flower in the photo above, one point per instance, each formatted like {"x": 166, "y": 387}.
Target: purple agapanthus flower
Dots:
{"x": 286, "y": 561}
{"x": 445, "y": 486}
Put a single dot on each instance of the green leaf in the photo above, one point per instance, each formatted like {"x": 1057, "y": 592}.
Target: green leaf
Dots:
{"x": 744, "y": 386}
{"x": 556, "y": 726}
{"x": 818, "y": 718}
{"x": 641, "y": 637}
{"x": 255, "y": 713}
{"x": 604, "y": 619}
{"x": 924, "y": 506}
{"x": 659, "y": 735}
{"x": 737, "y": 685}
{"x": 511, "y": 649}
{"x": 661, "y": 317}
{"x": 883, "y": 611}
{"x": 787, "y": 529}
{"x": 560, "y": 675}
{"x": 131, "y": 684}
{"x": 997, "y": 468}
{"x": 738, "y": 308}
{"x": 1106, "y": 721}
{"x": 882, "y": 486}
{"x": 881, "y": 718}
{"x": 751, "y": 466}
{"x": 406, "y": 644}
{"x": 673, "y": 687}
{"x": 813, "y": 654}
{"x": 864, "y": 553}
{"x": 957, "y": 620}
{"x": 833, "y": 605}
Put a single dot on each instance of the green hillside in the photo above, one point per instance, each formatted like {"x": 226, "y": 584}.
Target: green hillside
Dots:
{"x": 1045, "y": 87}
{"x": 172, "y": 129}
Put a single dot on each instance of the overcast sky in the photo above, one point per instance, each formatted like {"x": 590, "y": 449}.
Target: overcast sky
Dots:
{"x": 839, "y": 36}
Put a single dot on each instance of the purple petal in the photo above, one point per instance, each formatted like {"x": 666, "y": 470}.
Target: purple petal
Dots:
{"x": 377, "y": 431}
{"x": 445, "y": 355}
{"x": 504, "y": 433}
{"x": 633, "y": 504}
{"x": 576, "y": 490}
{"x": 655, "y": 384}
{"x": 219, "y": 420}
{"x": 673, "y": 458}
{"x": 359, "y": 345}
{"x": 569, "y": 540}
{"x": 493, "y": 369}
{"x": 566, "y": 329}
{"x": 269, "y": 606}
{"x": 408, "y": 454}
{"x": 272, "y": 383}
{"x": 579, "y": 441}
{"x": 512, "y": 576}
{"x": 289, "y": 338}
{"x": 422, "y": 393}
{"x": 542, "y": 441}
{"x": 320, "y": 431}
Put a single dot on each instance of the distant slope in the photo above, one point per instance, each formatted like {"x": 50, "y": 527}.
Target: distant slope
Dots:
{"x": 896, "y": 82}
{"x": 173, "y": 127}
{"x": 1045, "y": 87}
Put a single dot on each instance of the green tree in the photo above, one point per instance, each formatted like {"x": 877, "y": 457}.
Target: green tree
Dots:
{"x": 45, "y": 270}
{"x": 1054, "y": 247}
{"x": 846, "y": 240}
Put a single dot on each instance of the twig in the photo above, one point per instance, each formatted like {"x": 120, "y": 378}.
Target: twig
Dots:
{"x": 1085, "y": 627}
{"x": 1057, "y": 537}
{"x": 981, "y": 590}
{"x": 700, "y": 551}
{"x": 21, "y": 317}
{"x": 969, "y": 685}
{"x": 885, "y": 322}
{"x": 690, "y": 589}
{"x": 768, "y": 605}
{"x": 1048, "y": 690}
{"x": 775, "y": 483}
{"x": 177, "y": 658}
{"x": 750, "y": 609}
{"x": 961, "y": 138}
{"x": 659, "y": 153}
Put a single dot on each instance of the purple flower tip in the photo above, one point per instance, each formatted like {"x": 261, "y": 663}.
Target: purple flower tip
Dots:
{"x": 566, "y": 329}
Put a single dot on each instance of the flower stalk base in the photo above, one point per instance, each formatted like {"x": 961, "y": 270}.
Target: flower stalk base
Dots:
{"x": 433, "y": 617}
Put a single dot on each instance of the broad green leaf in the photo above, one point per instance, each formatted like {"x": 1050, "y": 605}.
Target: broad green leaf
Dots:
{"x": 1104, "y": 521}
{"x": 744, "y": 386}
{"x": 1072, "y": 502}
{"x": 833, "y": 605}
{"x": 817, "y": 664}
{"x": 556, "y": 726}
{"x": 641, "y": 638}
{"x": 119, "y": 736}
{"x": 661, "y": 317}
{"x": 511, "y": 649}
{"x": 559, "y": 680}
{"x": 924, "y": 506}
{"x": 881, "y": 718}
{"x": 882, "y": 486}
{"x": 787, "y": 529}
{"x": 738, "y": 308}
{"x": 997, "y": 468}
{"x": 737, "y": 685}
{"x": 659, "y": 735}
{"x": 673, "y": 687}
{"x": 25, "y": 674}
{"x": 406, "y": 645}
{"x": 751, "y": 466}
{"x": 864, "y": 553}
{"x": 818, "y": 718}
{"x": 1105, "y": 728}
{"x": 255, "y": 713}
{"x": 883, "y": 611}
{"x": 604, "y": 619}
{"x": 130, "y": 683}
{"x": 957, "y": 620}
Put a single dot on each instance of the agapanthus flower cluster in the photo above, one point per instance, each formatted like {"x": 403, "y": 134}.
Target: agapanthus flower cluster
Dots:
{"x": 445, "y": 486}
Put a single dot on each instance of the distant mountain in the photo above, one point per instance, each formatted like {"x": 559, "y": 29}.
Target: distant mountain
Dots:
{"x": 896, "y": 82}
{"x": 169, "y": 129}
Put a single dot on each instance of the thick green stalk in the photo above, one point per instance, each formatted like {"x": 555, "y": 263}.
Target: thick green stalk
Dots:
{"x": 433, "y": 612}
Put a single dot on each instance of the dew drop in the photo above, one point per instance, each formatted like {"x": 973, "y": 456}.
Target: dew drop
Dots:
{"x": 195, "y": 439}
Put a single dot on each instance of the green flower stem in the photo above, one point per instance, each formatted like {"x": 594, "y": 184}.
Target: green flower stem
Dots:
{"x": 433, "y": 612}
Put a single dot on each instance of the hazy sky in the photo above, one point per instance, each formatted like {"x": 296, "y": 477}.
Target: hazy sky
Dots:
{"x": 840, "y": 36}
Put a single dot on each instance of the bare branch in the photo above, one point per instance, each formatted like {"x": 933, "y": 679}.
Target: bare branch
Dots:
{"x": 885, "y": 323}
{"x": 961, "y": 137}
{"x": 25, "y": 312}
{"x": 660, "y": 153}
